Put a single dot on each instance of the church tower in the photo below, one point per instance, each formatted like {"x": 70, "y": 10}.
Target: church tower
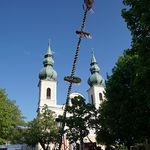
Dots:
{"x": 47, "y": 82}
{"x": 96, "y": 83}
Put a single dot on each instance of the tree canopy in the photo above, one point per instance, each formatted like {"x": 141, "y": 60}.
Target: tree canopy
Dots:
{"x": 125, "y": 116}
{"x": 118, "y": 112}
{"x": 10, "y": 119}
{"x": 81, "y": 118}
{"x": 42, "y": 129}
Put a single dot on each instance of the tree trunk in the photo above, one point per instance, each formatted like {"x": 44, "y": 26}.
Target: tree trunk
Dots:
{"x": 128, "y": 147}
{"x": 107, "y": 147}
{"x": 43, "y": 146}
{"x": 81, "y": 144}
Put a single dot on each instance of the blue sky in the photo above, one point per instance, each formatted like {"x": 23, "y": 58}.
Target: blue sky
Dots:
{"x": 26, "y": 26}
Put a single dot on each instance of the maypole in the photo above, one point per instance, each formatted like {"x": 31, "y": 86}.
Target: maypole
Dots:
{"x": 87, "y": 6}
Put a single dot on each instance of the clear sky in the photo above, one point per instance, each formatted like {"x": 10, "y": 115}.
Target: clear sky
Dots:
{"x": 26, "y": 26}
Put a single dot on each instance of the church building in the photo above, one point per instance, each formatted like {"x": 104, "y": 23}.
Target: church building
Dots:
{"x": 48, "y": 86}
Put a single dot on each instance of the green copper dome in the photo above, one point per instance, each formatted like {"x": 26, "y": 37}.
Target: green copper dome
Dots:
{"x": 95, "y": 78}
{"x": 47, "y": 72}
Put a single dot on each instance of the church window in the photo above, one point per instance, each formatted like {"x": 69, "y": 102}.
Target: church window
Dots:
{"x": 48, "y": 94}
{"x": 92, "y": 101}
{"x": 100, "y": 96}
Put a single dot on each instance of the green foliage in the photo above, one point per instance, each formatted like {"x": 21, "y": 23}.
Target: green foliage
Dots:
{"x": 43, "y": 129}
{"x": 81, "y": 117}
{"x": 125, "y": 116}
{"x": 10, "y": 119}
{"x": 117, "y": 113}
{"x": 103, "y": 132}
{"x": 137, "y": 16}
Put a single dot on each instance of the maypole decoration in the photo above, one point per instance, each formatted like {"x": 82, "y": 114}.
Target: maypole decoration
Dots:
{"x": 87, "y": 6}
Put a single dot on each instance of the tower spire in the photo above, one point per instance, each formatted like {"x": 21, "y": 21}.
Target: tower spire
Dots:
{"x": 95, "y": 78}
{"x": 47, "y": 72}
{"x": 93, "y": 57}
{"x": 49, "y": 51}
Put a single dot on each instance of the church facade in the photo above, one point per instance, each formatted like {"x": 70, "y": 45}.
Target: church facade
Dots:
{"x": 48, "y": 87}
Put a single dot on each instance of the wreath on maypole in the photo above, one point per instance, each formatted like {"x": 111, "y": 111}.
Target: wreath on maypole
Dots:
{"x": 72, "y": 79}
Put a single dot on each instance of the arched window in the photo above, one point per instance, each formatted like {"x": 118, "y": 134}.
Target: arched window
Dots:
{"x": 92, "y": 101}
{"x": 100, "y": 96}
{"x": 48, "y": 93}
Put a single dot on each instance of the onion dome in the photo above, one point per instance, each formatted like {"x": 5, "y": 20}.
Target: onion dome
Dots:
{"x": 95, "y": 78}
{"x": 47, "y": 72}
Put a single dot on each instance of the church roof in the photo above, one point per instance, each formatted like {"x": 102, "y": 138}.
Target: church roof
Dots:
{"x": 95, "y": 78}
{"x": 47, "y": 72}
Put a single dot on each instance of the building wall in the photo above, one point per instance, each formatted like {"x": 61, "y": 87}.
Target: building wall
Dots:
{"x": 93, "y": 95}
{"x": 43, "y": 86}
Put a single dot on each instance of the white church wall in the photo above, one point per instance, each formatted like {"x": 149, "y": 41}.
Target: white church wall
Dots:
{"x": 44, "y": 84}
{"x": 93, "y": 95}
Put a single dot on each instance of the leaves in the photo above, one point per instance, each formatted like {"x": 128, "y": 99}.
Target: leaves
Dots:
{"x": 124, "y": 117}
{"x": 81, "y": 117}
{"x": 10, "y": 118}
{"x": 43, "y": 129}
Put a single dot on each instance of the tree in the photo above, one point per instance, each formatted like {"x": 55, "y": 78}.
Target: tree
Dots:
{"x": 138, "y": 21}
{"x": 81, "y": 118}
{"x": 137, "y": 16}
{"x": 125, "y": 116}
{"x": 43, "y": 129}
{"x": 10, "y": 119}
{"x": 103, "y": 132}
{"x": 118, "y": 112}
